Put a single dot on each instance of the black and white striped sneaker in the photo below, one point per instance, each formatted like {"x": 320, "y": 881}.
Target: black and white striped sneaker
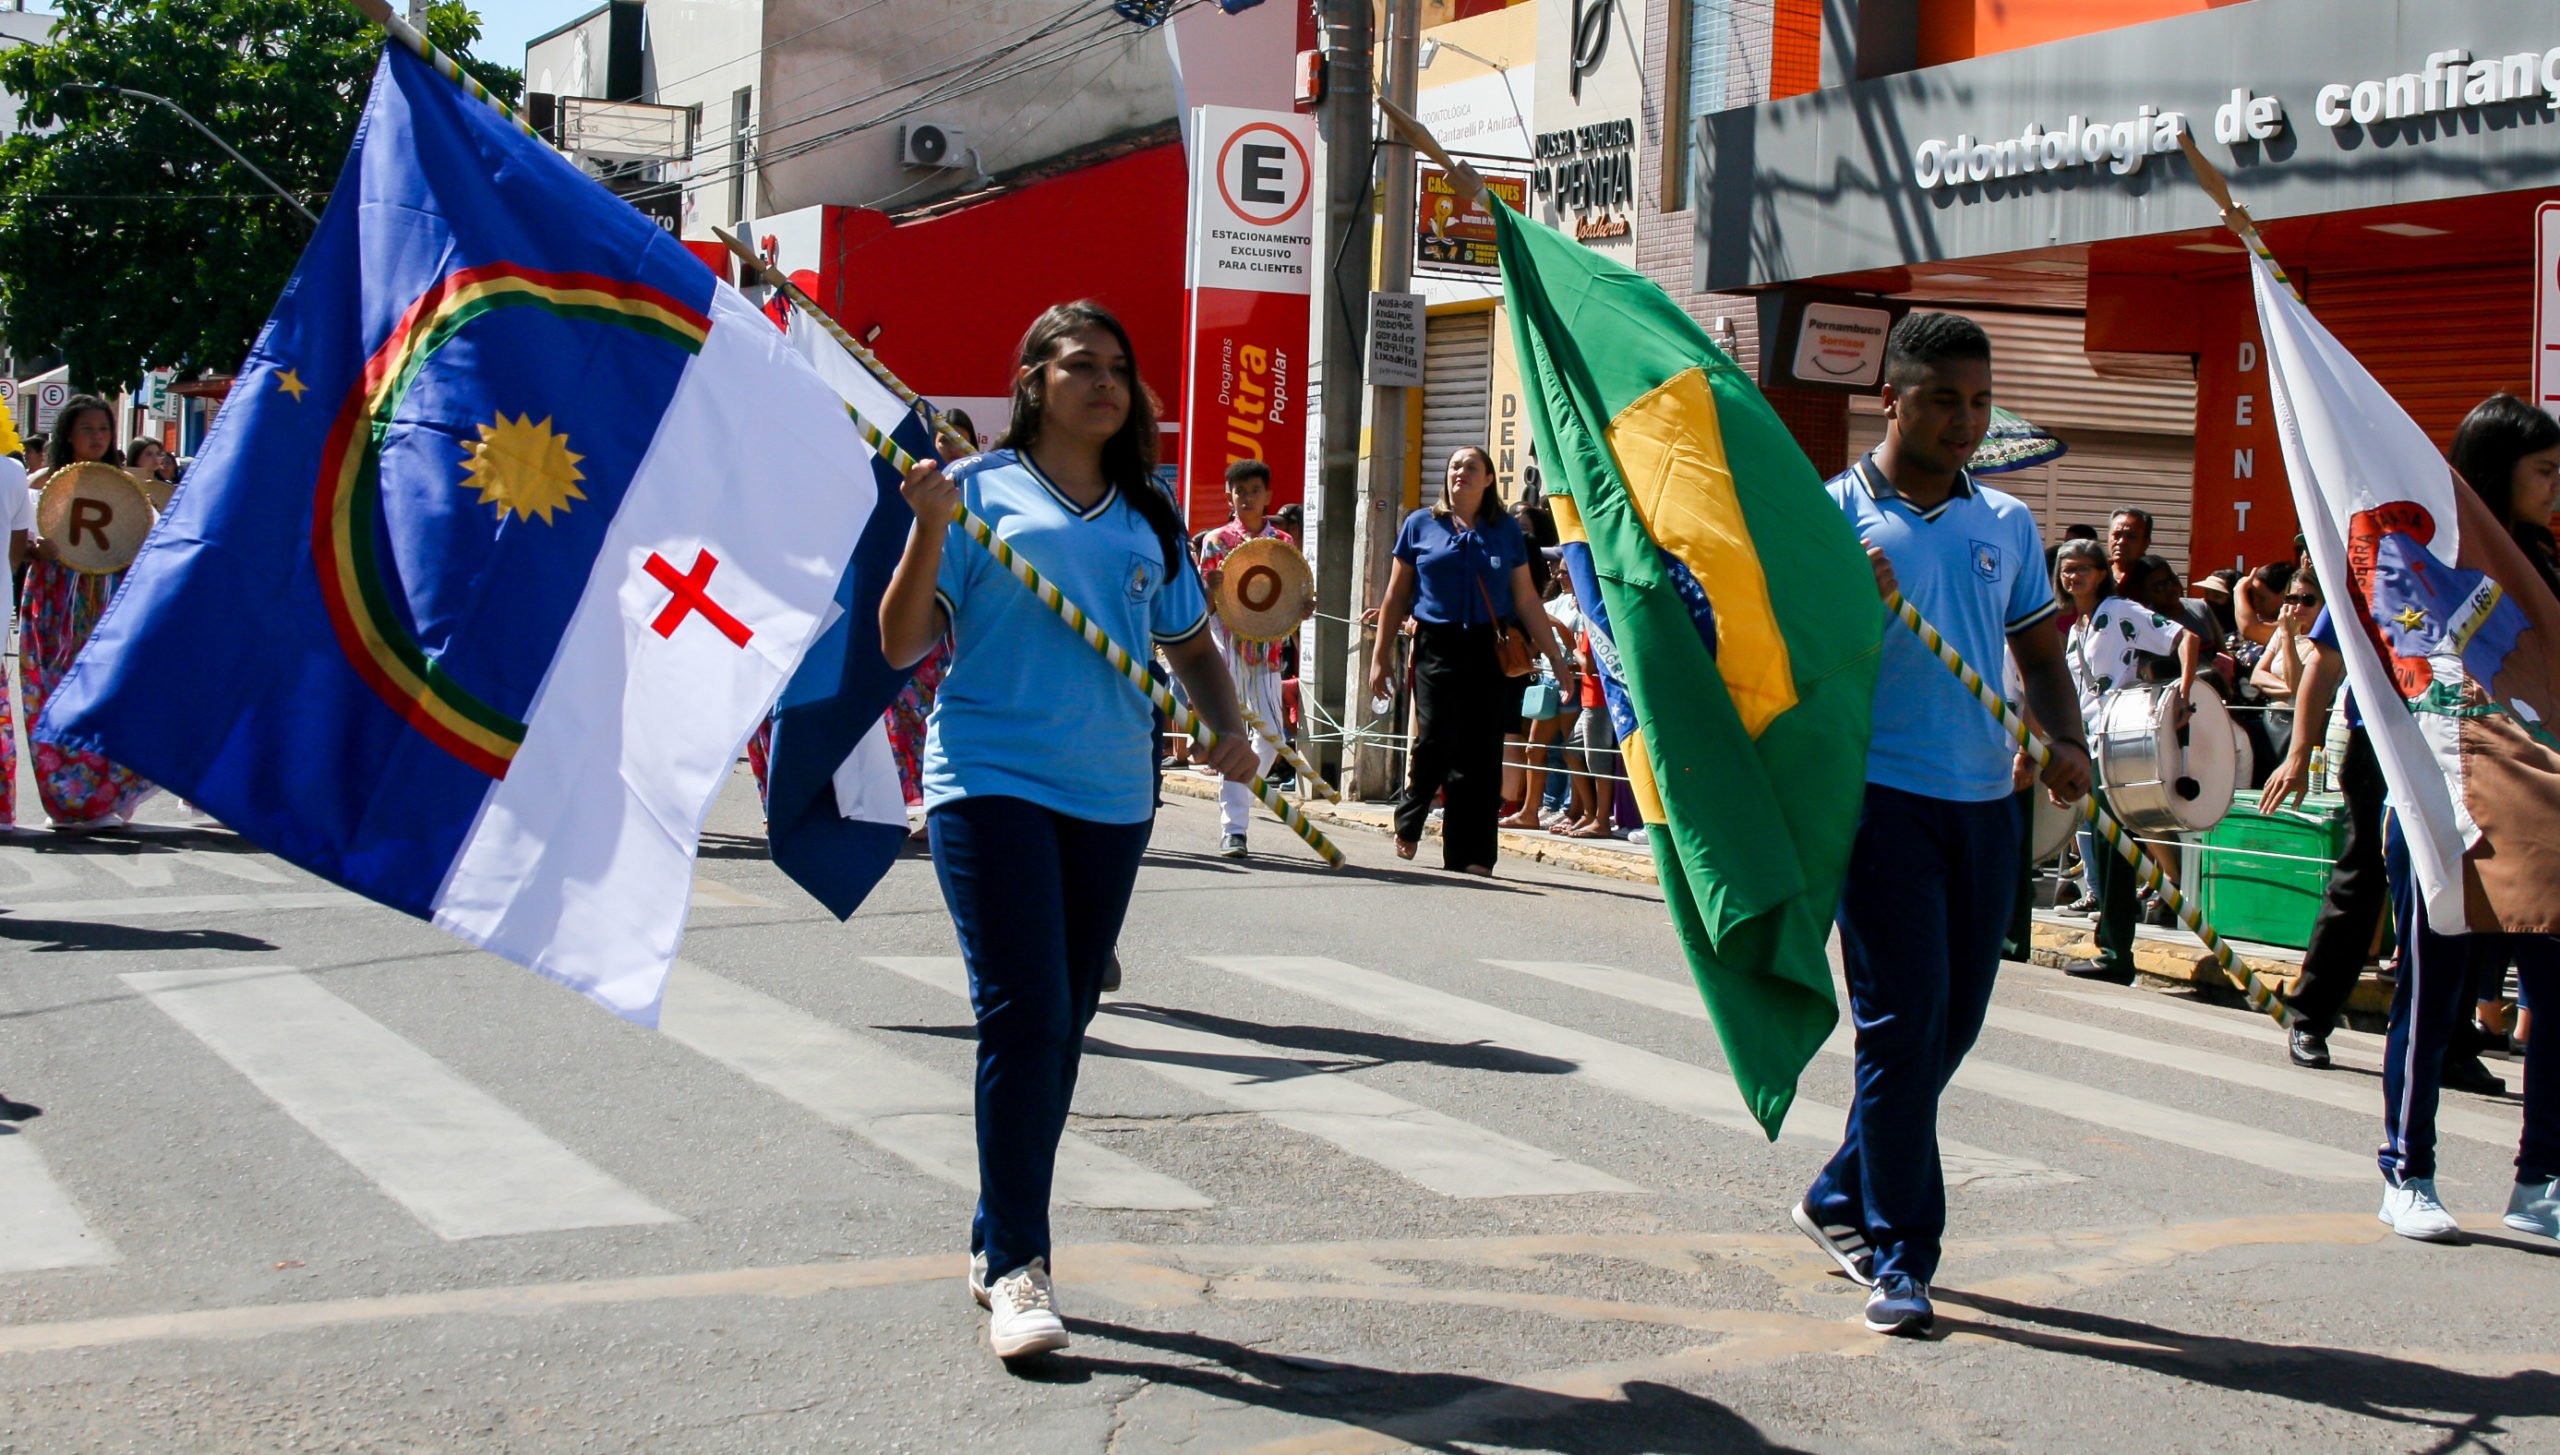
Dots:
{"x": 1846, "y": 1245}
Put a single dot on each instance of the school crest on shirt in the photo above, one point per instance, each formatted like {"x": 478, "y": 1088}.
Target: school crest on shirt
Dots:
{"x": 1986, "y": 560}
{"x": 1142, "y": 577}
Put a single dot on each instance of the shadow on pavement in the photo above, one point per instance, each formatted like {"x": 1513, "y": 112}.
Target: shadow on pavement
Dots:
{"x": 1362, "y": 1046}
{"x": 53, "y": 936}
{"x": 2463, "y": 1409}
{"x": 1426, "y": 1411}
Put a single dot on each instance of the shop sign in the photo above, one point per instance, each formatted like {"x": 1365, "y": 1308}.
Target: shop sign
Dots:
{"x": 1588, "y": 169}
{"x": 1250, "y": 271}
{"x": 51, "y": 395}
{"x": 2120, "y": 147}
{"x": 1829, "y": 341}
{"x": 2546, "y": 305}
{"x": 1454, "y": 239}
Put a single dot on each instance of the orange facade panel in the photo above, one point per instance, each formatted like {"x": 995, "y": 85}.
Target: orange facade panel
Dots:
{"x": 1795, "y": 48}
{"x": 1954, "y": 30}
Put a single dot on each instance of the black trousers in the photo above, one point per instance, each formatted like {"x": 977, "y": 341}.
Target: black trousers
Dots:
{"x": 2352, "y": 909}
{"x": 1462, "y": 707}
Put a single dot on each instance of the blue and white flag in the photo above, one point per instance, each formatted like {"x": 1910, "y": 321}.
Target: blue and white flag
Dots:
{"x": 515, "y": 524}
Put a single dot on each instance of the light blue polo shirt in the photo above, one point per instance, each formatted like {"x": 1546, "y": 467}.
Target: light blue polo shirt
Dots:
{"x": 1027, "y": 710}
{"x": 1974, "y": 567}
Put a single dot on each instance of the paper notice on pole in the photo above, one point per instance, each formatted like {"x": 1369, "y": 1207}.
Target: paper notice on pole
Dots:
{"x": 1395, "y": 340}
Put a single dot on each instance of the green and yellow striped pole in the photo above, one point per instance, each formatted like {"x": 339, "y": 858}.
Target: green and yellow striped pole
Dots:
{"x": 1121, "y": 662}
{"x": 2261, "y": 998}
{"x": 2234, "y": 216}
{"x": 409, "y": 35}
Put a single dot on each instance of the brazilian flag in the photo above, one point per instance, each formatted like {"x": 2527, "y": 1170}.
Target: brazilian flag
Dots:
{"x": 1744, "y": 624}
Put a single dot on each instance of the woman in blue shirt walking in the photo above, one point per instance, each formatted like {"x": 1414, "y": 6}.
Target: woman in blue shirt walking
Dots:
{"x": 1039, "y": 772}
{"x": 1462, "y": 573}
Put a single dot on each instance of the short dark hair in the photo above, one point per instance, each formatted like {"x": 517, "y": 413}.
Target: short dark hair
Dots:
{"x": 1922, "y": 341}
{"x": 2140, "y": 516}
{"x": 1243, "y": 470}
{"x": 2080, "y": 531}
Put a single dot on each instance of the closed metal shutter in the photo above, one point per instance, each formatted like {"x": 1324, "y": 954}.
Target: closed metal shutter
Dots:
{"x": 2439, "y": 339}
{"x": 2105, "y": 469}
{"x": 2040, "y": 369}
{"x": 1457, "y": 390}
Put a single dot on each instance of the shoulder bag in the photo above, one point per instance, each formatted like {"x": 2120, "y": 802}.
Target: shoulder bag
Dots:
{"x": 1510, "y": 639}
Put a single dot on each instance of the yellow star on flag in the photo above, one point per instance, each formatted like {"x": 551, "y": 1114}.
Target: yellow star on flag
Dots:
{"x": 291, "y": 383}
{"x": 2410, "y": 618}
{"x": 524, "y": 467}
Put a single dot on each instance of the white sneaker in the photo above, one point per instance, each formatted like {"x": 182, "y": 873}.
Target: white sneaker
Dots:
{"x": 978, "y": 1279}
{"x": 2413, "y": 1211}
{"x": 2534, "y": 1207}
{"x": 1022, "y": 1313}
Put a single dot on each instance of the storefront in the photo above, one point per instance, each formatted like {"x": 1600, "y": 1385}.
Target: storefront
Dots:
{"x": 2394, "y": 152}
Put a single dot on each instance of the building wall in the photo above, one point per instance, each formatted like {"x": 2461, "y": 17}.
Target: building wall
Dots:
{"x": 701, "y": 54}
{"x": 1951, "y": 30}
{"x": 834, "y": 94}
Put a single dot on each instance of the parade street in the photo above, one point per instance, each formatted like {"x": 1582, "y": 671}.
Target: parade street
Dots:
{"x": 1359, "y": 1161}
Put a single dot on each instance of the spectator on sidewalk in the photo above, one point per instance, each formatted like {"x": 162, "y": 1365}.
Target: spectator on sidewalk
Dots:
{"x": 1462, "y": 574}
{"x": 1595, "y": 741}
{"x": 2128, "y": 541}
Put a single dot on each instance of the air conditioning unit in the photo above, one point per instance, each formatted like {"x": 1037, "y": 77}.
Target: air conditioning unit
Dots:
{"x": 931, "y": 144}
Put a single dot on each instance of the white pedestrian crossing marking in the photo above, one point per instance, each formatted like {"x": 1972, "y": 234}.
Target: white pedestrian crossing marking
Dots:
{"x": 114, "y": 908}
{"x": 2273, "y": 1151}
{"x": 251, "y": 867}
{"x": 1442, "y": 1153}
{"x": 39, "y": 1226}
{"x": 906, "y": 1109}
{"x": 146, "y": 870}
{"x": 1679, "y": 1086}
{"x": 460, "y": 1162}
{"x": 712, "y": 894}
{"x": 2355, "y": 1095}
{"x": 2352, "y": 1048}
{"x": 41, "y": 871}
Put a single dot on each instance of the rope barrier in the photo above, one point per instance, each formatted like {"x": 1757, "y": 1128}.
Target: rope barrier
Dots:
{"x": 2261, "y": 997}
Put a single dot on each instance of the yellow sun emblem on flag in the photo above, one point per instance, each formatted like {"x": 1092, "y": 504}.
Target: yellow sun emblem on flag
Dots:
{"x": 524, "y": 467}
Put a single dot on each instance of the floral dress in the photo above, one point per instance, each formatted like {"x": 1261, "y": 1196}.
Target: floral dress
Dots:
{"x": 58, "y": 609}
{"x": 907, "y": 717}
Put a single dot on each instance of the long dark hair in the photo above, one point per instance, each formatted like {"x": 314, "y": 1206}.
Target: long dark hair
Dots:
{"x": 1129, "y": 456}
{"x": 1490, "y": 510}
{"x": 57, "y": 446}
{"x": 2500, "y": 431}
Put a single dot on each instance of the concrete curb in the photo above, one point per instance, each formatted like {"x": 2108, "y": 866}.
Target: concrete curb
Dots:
{"x": 1614, "y": 858}
{"x": 2181, "y": 961}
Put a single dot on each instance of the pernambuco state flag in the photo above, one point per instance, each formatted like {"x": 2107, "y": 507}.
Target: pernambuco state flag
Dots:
{"x": 515, "y": 522}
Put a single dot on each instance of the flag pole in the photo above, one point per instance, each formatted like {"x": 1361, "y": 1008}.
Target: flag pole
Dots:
{"x": 2234, "y": 216}
{"x": 977, "y": 530}
{"x": 1465, "y": 182}
{"x": 381, "y": 13}
{"x": 2261, "y": 998}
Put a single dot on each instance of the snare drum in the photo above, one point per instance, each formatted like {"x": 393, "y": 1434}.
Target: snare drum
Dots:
{"x": 2049, "y": 828}
{"x": 2161, "y": 778}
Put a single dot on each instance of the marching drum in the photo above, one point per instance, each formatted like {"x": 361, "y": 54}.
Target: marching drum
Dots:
{"x": 2049, "y": 828}
{"x": 1264, "y": 590}
{"x": 95, "y": 515}
{"x": 2161, "y": 778}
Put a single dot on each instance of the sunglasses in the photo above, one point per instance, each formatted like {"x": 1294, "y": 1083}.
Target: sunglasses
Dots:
{"x": 2302, "y": 601}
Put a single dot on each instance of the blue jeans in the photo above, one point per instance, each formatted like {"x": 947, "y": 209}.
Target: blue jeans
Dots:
{"x": 1037, "y": 898}
{"x": 1921, "y": 919}
{"x": 2428, "y": 1003}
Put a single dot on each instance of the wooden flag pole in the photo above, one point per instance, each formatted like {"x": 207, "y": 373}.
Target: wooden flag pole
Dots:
{"x": 2234, "y": 216}
{"x": 380, "y": 13}
{"x": 1465, "y": 182}
{"x": 977, "y": 529}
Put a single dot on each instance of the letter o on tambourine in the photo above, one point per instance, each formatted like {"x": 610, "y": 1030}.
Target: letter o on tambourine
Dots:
{"x": 1264, "y": 590}
{"x": 95, "y": 515}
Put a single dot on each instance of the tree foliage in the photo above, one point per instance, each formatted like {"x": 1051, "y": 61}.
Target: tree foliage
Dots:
{"x": 128, "y": 241}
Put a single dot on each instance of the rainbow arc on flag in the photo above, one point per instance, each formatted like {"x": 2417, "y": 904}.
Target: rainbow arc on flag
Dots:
{"x": 1738, "y": 627}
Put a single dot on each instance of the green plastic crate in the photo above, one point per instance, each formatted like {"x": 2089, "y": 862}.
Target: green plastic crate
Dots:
{"x": 2270, "y": 900}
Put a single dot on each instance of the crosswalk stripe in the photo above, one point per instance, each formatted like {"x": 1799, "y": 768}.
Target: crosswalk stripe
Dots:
{"x": 39, "y": 1226}
{"x": 42, "y": 871}
{"x": 2355, "y": 1048}
{"x": 136, "y": 871}
{"x": 2357, "y": 1096}
{"x": 234, "y": 866}
{"x": 459, "y": 1161}
{"x": 112, "y": 908}
{"x": 2273, "y": 1151}
{"x": 906, "y": 1109}
{"x": 1442, "y": 1153}
{"x": 1679, "y": 1086}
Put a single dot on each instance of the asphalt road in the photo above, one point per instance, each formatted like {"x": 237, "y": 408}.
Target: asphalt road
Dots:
{"x": 1362, "y": 1161}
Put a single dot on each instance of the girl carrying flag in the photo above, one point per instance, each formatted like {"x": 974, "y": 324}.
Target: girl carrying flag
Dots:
{"x": 1038, "y": 777}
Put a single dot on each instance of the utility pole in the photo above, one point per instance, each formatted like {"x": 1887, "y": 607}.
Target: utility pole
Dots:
{"x": 1343, "y": 298}
{"x": 1370, "y": 774}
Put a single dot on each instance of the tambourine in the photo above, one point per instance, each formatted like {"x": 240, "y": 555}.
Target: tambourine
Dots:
{"x": 95, "y": 515}
{"x": 1265, "y": 587}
